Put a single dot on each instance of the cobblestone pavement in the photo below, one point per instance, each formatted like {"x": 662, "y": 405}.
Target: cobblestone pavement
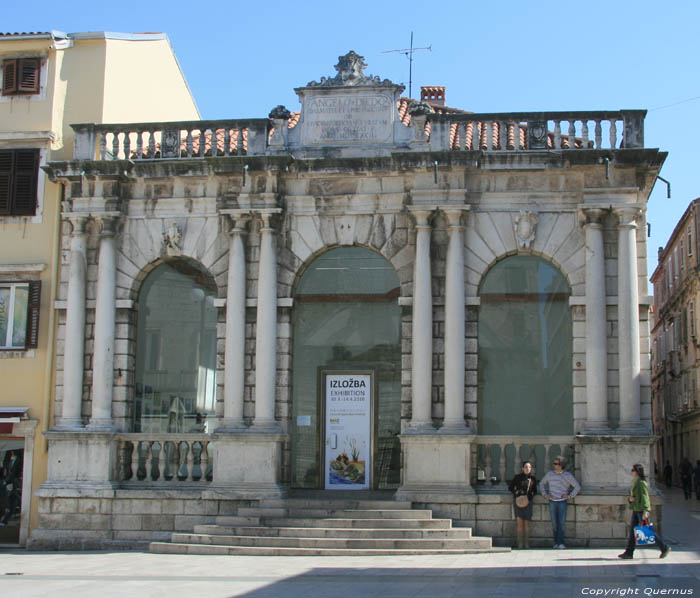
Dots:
{"x": 539, "y": 572}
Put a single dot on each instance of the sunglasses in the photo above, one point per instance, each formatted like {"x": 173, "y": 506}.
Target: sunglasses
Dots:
{"x": 556, "y": 463}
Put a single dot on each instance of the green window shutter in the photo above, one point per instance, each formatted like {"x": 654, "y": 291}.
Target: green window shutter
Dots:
{"x": 33, "y": 314}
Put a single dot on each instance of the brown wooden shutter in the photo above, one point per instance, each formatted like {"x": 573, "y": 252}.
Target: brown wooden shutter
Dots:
{"x": 26, "y": 172}
{"x": 28, "y": 75}
{"x": 34, "y": 302}
{"x": 5, "y": 181}
{"x": 9, "y": 76}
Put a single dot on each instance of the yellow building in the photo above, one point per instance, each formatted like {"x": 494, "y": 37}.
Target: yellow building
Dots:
{"x": 48, "y": 82}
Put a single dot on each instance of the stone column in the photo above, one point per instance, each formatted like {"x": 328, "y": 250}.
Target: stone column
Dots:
{"x": 628, "y": 319}
{"x": 454, "y": 322}
{"x": 234, "y": 366}
{"x": 105, "y": 316}
{"x": 422, "y": 338}
{"x": 266, "y": 325}
{"x": 74, "y": 354}
{"x": 596, "y": 333}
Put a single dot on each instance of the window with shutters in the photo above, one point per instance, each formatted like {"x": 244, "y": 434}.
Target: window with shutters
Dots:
{"x": 19, "y": 172}
{"x": 19, "y": 314}
{"x": 20, "y": 76}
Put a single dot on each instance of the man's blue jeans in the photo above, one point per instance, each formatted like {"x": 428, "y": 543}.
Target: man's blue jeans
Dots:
{"x": 557, "y": 511}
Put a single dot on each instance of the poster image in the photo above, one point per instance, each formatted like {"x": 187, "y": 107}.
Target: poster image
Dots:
{"x": 348, "y": 431}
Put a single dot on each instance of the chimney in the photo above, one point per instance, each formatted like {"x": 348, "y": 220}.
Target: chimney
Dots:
{"x": 435, "y": 94}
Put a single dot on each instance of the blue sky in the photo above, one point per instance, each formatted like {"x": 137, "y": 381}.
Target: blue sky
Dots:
{"x": 243, "y": 58}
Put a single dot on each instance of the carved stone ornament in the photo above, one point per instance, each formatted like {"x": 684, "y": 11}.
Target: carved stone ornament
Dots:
{"x": 537, "y": 134}
{"x": 171, "y": 240}
{"x": 170, "y": 143}
{"x": 525, "y": 226}
{"x": 280, "y": 113}
{"x": 420, "y": 109}
{"x": 350, "y": 74}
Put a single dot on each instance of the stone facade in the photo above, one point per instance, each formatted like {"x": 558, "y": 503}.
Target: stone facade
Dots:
{"x": 255, "y": 209}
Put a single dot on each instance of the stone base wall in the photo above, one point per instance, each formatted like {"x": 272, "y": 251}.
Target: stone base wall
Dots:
{"x": 123, "y": 519}
{"x": 591, "y": 520}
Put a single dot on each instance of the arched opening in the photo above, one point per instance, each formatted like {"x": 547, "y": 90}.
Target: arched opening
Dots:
{"x": 347, "y": 346}
{"x": 525, "y": 344}
{"x": 175, "y": 350}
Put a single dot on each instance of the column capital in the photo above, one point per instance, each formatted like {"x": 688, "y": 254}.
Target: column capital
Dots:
{"x": 107, "y": 223}
{"x": 78, "y": 223}
{"x": 454, "y": 216}
{"x": 266, "y": 215}
{"x": 422, "y": 215}
{"x": 236, "y": 219}
{"x": 591, "y": 216}
{"x": 627, "y": 215}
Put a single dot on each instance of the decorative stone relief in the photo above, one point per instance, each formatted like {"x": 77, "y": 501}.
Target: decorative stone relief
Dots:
{"x": 171, "y": 240}
{"x": 170, "y": 143}
{"x": 525, "y": 226}
{"x": 350, "y": 73}
{"x": 537, "y": 134}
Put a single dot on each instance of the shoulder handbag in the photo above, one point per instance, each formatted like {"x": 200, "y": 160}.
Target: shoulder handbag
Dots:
{"x": 522, "y": 501}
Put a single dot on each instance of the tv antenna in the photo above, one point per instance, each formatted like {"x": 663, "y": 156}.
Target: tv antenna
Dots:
{"x": 408, "y": 52}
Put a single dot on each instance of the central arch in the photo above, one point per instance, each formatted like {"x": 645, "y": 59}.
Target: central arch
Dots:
{"x": 525, "y": 349}
{"x": 346, "y": 320}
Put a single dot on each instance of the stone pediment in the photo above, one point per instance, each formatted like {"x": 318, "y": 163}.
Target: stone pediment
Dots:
{"x": 350, "y": 110}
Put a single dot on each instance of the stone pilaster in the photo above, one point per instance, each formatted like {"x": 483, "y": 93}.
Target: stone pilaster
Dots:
{"x": 596, "y": 333}
{"x": 628, "y": 320}
{"x": 422, "y": 338}
{"x": 266, "y": 323}
{"x": 234, "y": 365}
{"x": 105, "y": 322}
{"x": 454, "y": 321}
{"x": 73, "y": 363}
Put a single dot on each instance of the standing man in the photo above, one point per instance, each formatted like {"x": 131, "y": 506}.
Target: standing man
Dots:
{"x": 557, "y": 486}
{"x": 686, "y": 470}
{"x": 696, "y": 473}
{"x": 668, "y": 474}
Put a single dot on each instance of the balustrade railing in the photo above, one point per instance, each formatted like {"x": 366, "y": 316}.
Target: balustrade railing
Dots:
{"x": 496, "y": 459}
{"x": 522, "y": 131}
{"x": 170, "y": 140}
{"x": 168, "y": 459}
{"x": 513, "y": 131}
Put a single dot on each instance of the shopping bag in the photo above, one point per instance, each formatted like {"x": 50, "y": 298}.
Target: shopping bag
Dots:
{"x": 644, "y": 533}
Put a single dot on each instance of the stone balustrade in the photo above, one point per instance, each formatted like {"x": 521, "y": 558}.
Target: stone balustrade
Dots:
{"x": 496, "y": 459}
{"x": 511, "y": 131}
{"x": 522, "y": 131}
{"x": 170, "y": 140}
{"x": 168, "y": 459}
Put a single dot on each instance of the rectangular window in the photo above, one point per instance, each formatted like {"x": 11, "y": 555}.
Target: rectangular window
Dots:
{"x": 19, "y": 314}
{"x": 682, "y": 256}
{"x": 690, "y": 240}
{"x": 692, "y": 319}
{"x": 19, "y": 172}
{"x": 20, "y": 76}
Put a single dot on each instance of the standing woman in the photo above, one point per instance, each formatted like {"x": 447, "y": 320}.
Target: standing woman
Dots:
{"x": 523, "y": 487}
{"x": 641, "y": 505}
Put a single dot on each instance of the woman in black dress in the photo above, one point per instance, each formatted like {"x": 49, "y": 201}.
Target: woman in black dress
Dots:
{"x": 523, "y": 485}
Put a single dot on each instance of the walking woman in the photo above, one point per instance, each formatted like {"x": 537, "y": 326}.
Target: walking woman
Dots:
{"x": 641, "y": 505}
{"x": 523, "y": 487}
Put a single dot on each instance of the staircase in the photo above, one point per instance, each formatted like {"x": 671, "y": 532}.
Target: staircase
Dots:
{"x": 327, "y": 527}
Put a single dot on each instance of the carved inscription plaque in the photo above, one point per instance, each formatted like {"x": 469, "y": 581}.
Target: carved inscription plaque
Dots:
{"x": 348, "y": 118}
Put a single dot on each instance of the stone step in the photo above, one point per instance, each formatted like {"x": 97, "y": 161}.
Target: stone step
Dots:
{"x": 333, "y": 503}
{"x": 321, "y": 532}
{"x": 330, "y": 522}
{"x": 175, "y": 548}
{"x": 305, "y": 513}
{"x": 334, "y": 543}
{"x": 233, "y": 521}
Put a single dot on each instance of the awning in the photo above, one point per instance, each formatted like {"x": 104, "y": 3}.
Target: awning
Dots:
{"x": 10, "y": 416}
